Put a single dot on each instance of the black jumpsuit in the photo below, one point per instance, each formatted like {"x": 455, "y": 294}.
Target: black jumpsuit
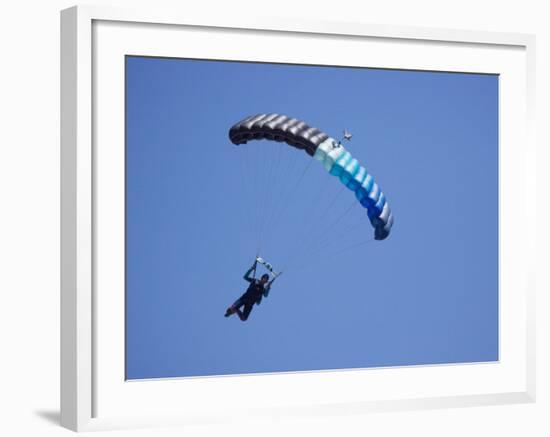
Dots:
{"x": 252, "y": 295}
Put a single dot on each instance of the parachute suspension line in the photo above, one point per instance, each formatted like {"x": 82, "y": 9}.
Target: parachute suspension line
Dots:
{"x": 330, "y": 244}
{"x": 282, "y": 202}
{"x": 353, "y": 246}
{"x": 336, "y": 240}
{"x": 249, "y": 176}
{"x": 299, "y": 188}
{"x": 253, "y": 209}
{"x": 331, "y": 204}
{"x": 315, "y": 244}
{"x": 310, "y": 231}
{"x": 313, "y": 228}
{"x": 278, "y": 183}
{"x": 262, "y": 192}
{"x": 260, "y": 166}
{"x": 308, "y": 264}
{"x": 326, "y": 232}
{"x": 246, "y": 190}
{"x": 274, "y": 162}
{"x": 290, "y": 195}
{"x": 277, "y": 189}
{"x": 302, "y": 229}
{"x": 309, "y": 222}
{"x": 259, "y": 163}
{"x": 346, "y": 230}
{"x": 254, "y": 271}
{"x": 265, "y": 193}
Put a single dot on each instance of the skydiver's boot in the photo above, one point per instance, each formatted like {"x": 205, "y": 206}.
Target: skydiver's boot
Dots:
{"x": 229, "y": 311}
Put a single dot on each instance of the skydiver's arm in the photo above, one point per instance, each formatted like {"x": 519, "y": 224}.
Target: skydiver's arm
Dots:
{"x": 247, "y": 276}
{"x": 267, "y": 288}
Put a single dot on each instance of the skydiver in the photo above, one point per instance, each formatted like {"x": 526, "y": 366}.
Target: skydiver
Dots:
{"x": 253, "y": 295}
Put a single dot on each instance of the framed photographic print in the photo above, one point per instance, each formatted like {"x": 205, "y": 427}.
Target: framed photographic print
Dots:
{"x": 287, "y": 218}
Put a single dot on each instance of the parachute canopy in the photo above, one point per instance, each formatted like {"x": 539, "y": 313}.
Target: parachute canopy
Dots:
{"x": 332, "y": 154}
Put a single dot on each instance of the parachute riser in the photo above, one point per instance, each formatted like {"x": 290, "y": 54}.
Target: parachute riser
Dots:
{"x": 268, "y": 267}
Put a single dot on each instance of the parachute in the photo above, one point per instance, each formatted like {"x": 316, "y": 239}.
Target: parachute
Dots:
{"x": 336, "y": 160}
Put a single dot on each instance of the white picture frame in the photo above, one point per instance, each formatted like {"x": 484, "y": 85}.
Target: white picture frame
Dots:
{"x": 94, "y": 395}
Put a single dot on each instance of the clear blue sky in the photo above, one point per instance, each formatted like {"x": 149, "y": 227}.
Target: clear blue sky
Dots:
{"x": 195, "y": 204}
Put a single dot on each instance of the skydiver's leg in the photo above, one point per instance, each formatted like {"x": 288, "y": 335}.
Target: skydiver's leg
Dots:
{"x": 246, "y": 312}
{"x": 234, "y": 308}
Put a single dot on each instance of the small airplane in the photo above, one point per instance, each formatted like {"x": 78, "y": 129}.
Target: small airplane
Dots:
{"x": 347, "y": 136}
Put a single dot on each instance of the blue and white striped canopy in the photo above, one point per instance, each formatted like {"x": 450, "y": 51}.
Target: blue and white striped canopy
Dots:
{"x": 332, "y": 154}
